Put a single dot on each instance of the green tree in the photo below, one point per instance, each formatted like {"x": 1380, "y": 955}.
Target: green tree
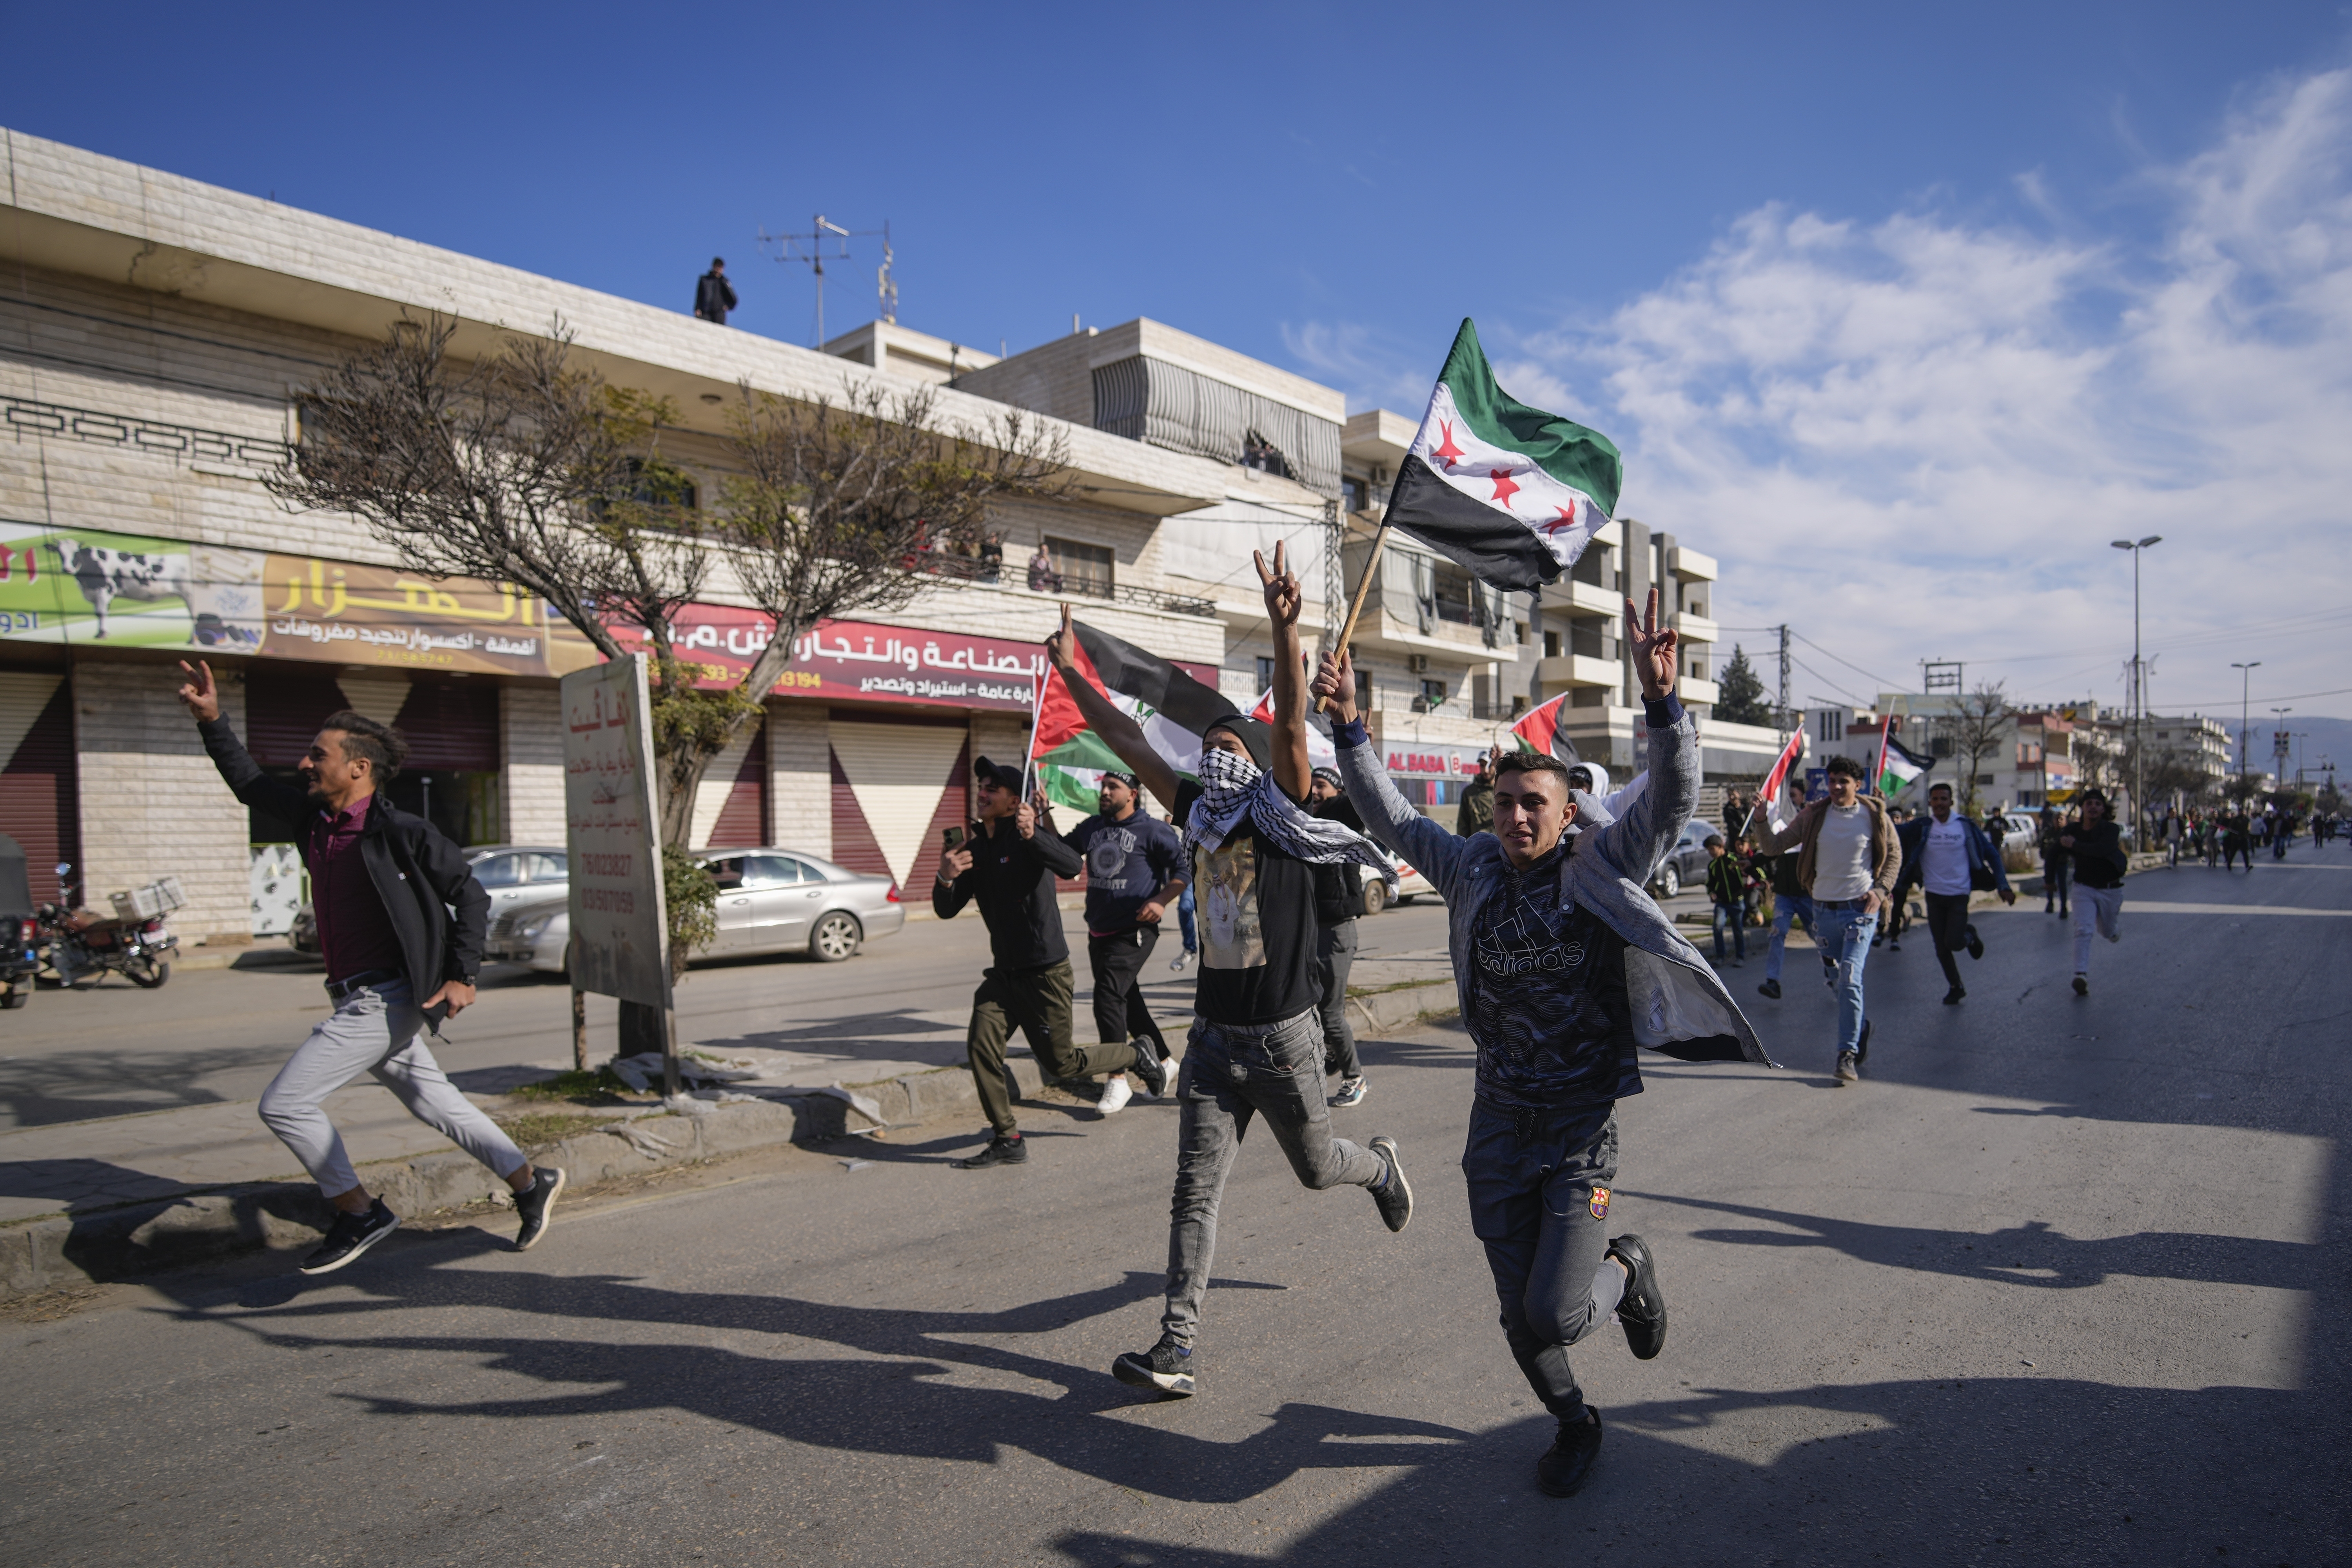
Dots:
{"x": 1739, "y": 695}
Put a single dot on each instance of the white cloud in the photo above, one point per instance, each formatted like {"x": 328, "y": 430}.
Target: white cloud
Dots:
{"x": 1914, "y": 437}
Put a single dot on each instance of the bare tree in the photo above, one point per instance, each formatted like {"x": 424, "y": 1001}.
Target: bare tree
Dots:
{"x": 522, "y": 467}
{"x": 1979, "y": 727}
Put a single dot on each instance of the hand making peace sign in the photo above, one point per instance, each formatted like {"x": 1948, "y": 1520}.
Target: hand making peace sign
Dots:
{"x": 1284, "y": 598}
{"x": 1653, "y": 650}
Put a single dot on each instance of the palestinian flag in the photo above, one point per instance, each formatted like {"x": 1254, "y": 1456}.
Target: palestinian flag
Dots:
{"x": 1899, "y": 766}
{"x": 1172, "y": 708}
{"x": 1510, "y": 492}
{"x": 1778, "y": 801}
{"x": 1539, "y": 731}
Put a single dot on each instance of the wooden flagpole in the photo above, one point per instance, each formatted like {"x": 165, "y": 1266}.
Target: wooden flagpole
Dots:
{"x": 1356, "y": 605}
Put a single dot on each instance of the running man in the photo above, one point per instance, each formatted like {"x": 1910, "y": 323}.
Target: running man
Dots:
{"x": 1565, "y": 967}
{"x": 383, "y": 884}
{"x": 1131, "y": 879}
{"x": 1949, "y": 855}
{"x": 1338, "y": 901}
{"x": 1256, "y": 1043}
{"x": 2096, "y": 847}
{"x": 1847, "y": 861}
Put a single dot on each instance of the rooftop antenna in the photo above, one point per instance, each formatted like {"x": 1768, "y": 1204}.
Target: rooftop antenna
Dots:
{"x": 828, "y": 241}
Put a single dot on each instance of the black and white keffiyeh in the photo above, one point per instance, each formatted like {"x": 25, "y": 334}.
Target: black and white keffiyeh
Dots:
{"x": 1233, "y": 787}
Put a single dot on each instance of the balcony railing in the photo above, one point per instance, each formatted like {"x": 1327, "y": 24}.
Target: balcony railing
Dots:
{"x": 989, "y": 569}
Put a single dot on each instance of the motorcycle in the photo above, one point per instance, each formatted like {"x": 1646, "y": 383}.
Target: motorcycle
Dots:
{"x": 134, "y": 942}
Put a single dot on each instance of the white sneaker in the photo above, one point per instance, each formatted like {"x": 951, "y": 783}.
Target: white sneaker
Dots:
{"x": 1179, "y": 960}
{"x": 1115, "y": 1095}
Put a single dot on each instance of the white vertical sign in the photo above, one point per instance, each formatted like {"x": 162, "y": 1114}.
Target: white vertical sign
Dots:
{"x": 620, "y": 934}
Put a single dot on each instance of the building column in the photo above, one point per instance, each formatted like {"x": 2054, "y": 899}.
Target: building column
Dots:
{"x": 799, "y": 777}
{"x": 153, "y": 804}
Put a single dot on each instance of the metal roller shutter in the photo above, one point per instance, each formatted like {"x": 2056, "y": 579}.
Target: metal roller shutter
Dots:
{"x": 744, "y": 818}
{"x": 895, "y": 787}
{"x": 451, "y": 725}
{"x": 40, "y": 805}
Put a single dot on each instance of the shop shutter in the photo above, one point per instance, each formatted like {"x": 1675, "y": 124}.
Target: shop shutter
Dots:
{"x": 284, "y": 706}
{"x": 896, "y": 787}
{"x": 40, "y": 805}
{"x": 451, "y": 725}
{"x": 744, "y": 818}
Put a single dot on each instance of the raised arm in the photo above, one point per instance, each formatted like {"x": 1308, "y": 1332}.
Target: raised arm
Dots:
{"x": 1120, "y": 733}
{"x": 1387, "y": 815}
{"x": 201, "y": 696}
{"x": 1654, "y": 818}
{"x": 1292, "y": 768}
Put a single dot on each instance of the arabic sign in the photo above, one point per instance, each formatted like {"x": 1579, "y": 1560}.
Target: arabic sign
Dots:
{"x": 87, "y": 585}
{"x": 856, "y": 660}
{"x": 620, "y": 937}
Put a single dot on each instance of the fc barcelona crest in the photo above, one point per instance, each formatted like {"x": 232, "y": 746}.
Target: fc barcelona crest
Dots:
{"x": 1600, "y": 1202}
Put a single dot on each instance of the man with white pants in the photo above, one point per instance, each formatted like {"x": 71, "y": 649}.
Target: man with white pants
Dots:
{"x": 2096, "y": 847}
{"x": 383, "y": 883}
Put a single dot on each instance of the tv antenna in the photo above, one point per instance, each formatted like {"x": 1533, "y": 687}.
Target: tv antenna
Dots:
{"x": 824, "y": 241}
{"x": 1938, "y": 675}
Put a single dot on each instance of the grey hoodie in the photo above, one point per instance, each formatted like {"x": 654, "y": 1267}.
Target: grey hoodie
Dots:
{"x": 1679, "y": 1007}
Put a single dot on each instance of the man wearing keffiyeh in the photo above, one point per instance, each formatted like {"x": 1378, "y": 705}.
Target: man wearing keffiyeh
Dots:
{"x": 1256, "y": 1043}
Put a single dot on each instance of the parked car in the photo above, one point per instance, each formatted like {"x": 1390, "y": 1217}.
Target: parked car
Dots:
{"x": 513, "y": 875}
{"x": 769, "y": 900}
{"x": 1685, "y": 865}
{"x": 1410, "y": 884}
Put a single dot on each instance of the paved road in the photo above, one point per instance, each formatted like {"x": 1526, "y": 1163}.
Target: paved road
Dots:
{"x": 2062, "y": 1281}
{"x": 219, "y": 1034}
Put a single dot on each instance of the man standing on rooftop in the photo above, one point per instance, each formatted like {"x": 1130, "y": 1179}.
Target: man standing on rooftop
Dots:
{"x": 713, "y": 295}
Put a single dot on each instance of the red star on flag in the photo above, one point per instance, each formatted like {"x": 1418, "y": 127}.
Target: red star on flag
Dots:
{"x": 1504, "y": 489}
{"x": 1445, "y": 451}
{"x": 1566, "y": 520}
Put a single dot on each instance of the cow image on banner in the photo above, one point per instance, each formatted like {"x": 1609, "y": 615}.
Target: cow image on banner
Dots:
{"x": 620, "y": 926}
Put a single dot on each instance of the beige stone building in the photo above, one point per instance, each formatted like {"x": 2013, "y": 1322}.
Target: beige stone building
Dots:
{"x": 155, "y": 331}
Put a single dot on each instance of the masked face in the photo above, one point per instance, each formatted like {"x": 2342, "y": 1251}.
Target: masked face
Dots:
{"x": 1227, "y": 770}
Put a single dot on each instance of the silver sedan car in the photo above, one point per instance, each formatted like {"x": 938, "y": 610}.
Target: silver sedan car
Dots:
{"x": 769, "y": 901}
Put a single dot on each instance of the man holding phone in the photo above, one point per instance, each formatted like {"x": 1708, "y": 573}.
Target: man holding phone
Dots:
{"x": 1008, "y": 867}
{"x": 1132, "y": 876}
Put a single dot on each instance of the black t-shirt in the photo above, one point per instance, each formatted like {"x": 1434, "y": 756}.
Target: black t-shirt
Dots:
{"x": 1126, "y": 863}
{"x": 1256, "y": 908}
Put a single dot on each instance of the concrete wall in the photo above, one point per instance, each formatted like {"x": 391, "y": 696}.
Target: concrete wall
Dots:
{"x": 152, "y": 803}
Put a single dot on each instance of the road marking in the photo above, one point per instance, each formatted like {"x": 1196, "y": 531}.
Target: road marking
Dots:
{"x": 2160, "y": 908}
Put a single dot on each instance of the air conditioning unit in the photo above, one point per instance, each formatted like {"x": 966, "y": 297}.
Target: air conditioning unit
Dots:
{"x": 1416, "y": 662}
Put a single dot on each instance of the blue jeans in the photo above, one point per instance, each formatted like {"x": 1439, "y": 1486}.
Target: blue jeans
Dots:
{"x": 1788, "y": 908}
{"x": 1844, "y": 935}
{"x": 1734, "y": 916}
{"x": 1184, "y": 920}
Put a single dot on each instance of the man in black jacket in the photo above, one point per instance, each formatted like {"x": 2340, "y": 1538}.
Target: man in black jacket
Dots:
{"x": 1132, "y": 876}
{"x": 1007, "y": 865}
{"x": 713, "y": 295}
{"x": 383, "y": 883}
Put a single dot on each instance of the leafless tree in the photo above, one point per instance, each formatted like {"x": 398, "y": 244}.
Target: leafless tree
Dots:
{"x": 522, "y": 468}
{"x": 1979, "y": 727}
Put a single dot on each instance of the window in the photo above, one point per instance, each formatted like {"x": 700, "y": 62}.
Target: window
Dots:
{"x": 1265, "y": 672}
{"x": 770, "y": 871}
{"x": 1363, "y": 692}
{"x": 1518, "y": 704}
{"x": 660, "y": 484}
{"x": 1551, "y": 644}
{"x": 545, "y": 868}
{"x": 1353, "y": 494}
{"x": 1698, "y": 667}
{"x": 499, "y": 870}
{"x": 1262, "y": 455}
{"x": 727, "y": 873}
{"x": 1520, "y": 630}
{"x": 1433, "y": 693}
{"x": 1083, "y": 568}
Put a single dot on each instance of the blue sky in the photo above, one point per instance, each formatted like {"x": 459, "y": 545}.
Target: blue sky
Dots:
{"x": 1884, "y": 306}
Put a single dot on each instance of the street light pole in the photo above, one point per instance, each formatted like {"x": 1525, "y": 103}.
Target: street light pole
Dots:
{"x": 2245, "y": 684}
{"x": 2139, "y": 690}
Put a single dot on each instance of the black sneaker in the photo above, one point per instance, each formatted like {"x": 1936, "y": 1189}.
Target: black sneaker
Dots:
{"x": 1846, "y": 1070}
{"x": 1567, "y": 1463}
{"x": 1000, "y": 1151}
{"x": 350, "y": 1235}
{"x": 1770, "y": 988}
{"x": 1641, "y": 1310}
{"x": 1167, "y": 1367}
{"x": 1158, "y": 1072}
{"x": 1394, "y": 1195}
{"x": 2081, "y": 985}
{"x": 1976, "y": 943}
{"x": 1952, "y": 997}
{"x": 537, "y": 1207}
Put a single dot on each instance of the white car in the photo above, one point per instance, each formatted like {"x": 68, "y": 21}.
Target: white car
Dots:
{"x": 1410, "y": 884}
{"x": 769, "y": 901}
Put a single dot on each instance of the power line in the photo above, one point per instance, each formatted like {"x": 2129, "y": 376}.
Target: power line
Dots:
{"x": 1810, "y": 643}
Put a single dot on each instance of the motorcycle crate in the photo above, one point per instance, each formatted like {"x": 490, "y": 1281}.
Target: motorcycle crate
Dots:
{"x": 153, "y": 901}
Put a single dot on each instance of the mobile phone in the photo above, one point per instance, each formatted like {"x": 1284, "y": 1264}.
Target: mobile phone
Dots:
{"x": 954, "y": 836}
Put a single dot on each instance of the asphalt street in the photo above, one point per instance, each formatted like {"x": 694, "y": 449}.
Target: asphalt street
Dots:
{"x": 220, "y": 1035}
{"x": 2062, "y": 1281}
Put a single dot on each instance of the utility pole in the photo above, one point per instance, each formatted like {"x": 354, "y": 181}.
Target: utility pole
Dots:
{"x": 2245, "y": 686}
{"x": 1784, "y": 675}
{"x": 2139, "y": 705}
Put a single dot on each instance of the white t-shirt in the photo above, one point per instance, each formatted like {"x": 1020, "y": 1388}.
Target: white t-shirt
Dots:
{"x": 1944, "y": 859}
{"x": 1842, "y": 863}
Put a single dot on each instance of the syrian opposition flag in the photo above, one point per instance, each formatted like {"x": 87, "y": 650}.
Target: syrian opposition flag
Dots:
{"x": 1510, "y": 492}
{"x": 1777, "y": 799}
{"x": 1899, "y": 766}
{"x": 1539, "y": 731}
{"x": 1172, "y": 708}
